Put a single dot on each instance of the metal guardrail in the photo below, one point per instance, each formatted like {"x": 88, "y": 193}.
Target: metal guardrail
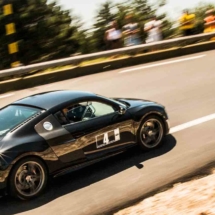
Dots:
{"x": 178, "y": 42}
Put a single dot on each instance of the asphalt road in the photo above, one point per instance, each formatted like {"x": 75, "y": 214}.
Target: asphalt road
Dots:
{"x": 186, "y": 86}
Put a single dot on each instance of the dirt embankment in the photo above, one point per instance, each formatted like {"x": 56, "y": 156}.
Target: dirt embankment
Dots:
{"x": 196, "y": 197}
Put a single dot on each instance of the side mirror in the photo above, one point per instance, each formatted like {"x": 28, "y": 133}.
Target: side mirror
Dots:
{"x": 122, "y": 110}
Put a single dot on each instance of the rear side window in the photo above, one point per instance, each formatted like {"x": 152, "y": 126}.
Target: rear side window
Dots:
{"x": 13, "y": 115}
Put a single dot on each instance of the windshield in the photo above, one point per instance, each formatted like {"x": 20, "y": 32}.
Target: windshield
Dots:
{"x": 13, "y": 115}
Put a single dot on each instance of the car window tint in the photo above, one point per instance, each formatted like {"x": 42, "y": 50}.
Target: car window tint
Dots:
{"x": 82, "y": 112}
{"x": 61, "y": 118}
{"x": 102, "y": 109}
{"x": 71, "y": 114}
{"x": 13, "y": 115}
{"x": 97, "y": 109}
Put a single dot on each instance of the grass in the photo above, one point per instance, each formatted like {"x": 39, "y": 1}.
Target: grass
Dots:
{"x": 84, "y": 63}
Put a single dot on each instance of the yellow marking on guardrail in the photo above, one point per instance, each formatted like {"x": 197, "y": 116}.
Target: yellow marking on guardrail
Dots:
{"x": 13, "y": 48}
{"x": 7, "y": 9}
{"x": 10, "y": 28}
{"x": 15, "y": 64}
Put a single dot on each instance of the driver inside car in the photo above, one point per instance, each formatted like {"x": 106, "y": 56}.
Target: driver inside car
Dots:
{"x": 75, "y": 113}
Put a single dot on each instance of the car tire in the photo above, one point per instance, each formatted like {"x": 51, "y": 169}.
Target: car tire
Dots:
{"x": 28, "y": 179}
{"x": 151, "y": 133}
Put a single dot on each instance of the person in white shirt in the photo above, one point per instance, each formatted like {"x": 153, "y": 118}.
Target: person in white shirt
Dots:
{"x": 153, "y": 29}
{"x": 131, "y": 32}
{"x": 113, "y": 36}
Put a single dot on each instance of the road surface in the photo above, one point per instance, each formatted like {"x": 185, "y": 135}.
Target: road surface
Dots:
{"x": 186, "y": 86}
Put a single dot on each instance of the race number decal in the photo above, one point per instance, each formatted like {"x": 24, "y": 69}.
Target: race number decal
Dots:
{"x": 107, "y": 138}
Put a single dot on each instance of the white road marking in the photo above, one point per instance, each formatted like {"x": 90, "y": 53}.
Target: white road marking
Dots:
{"x": 7, "y": 95}
{"x": 192, "y": 123}
{"x": 162, "y": 64}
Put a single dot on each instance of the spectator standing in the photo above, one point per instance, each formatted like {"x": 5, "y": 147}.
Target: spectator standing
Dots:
{"x": 131, "y": 32}
{"x": 153, "y": 29}
{"x": 113, "y": 36}
{"x": 209, "y": 21}
{"x": 106, "y": 38}
{"x": 187, "y": 23}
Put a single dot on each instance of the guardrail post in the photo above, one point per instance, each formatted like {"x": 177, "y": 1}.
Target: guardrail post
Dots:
{"x": 10, "y": 30}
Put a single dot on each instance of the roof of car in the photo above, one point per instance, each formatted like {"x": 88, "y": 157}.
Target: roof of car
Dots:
{"x": 48, "y": 100}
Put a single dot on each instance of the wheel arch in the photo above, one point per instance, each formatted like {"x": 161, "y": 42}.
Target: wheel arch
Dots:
{"x": 10, "y": 186}
{"x": 22, "y": 158}
{"x": 152, "y": 113}
{"x": 30, "y": 156}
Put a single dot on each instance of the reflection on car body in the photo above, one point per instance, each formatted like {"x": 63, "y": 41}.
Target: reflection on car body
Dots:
{"x": 53, "y": 133}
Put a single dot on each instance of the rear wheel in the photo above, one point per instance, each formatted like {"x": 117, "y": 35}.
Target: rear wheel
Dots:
{"x": 28, "y": 179}
{"x": 151, "y": 132}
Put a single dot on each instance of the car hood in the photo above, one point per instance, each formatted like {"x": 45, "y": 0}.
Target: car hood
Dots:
{"x": 134, "y": 102}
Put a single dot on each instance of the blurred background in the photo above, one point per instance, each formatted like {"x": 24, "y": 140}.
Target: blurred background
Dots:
{"x": 46, "y": 30}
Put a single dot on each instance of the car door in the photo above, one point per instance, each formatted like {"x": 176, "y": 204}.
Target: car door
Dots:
{"x": 101, "y": 129}
{"x": 86, "y": 130}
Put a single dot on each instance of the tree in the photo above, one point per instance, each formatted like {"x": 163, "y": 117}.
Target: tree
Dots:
{"x": 103, "y": 18}
{"x": 82, "y": 36}
{"x": 142, "y": 11}
{"x": 5, "y": 60}
{"x": 44, "y": 31}
{"x": 123, "y": 9}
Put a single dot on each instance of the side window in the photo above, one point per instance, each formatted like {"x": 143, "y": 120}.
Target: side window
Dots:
{"x": 97, "y": 109}
{"x": 60, "y": 116}
{"x": 71, "y": 114}
{"x": 76, "y": 112}
{"x": 82, "y": 112}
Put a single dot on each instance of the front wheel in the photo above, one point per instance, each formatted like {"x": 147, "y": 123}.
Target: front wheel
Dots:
{"x": 151, "y": 133}
{"x": 28, "y": 179}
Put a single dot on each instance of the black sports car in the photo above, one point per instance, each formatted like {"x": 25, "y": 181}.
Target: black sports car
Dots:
{"x": 54, "y": 133}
